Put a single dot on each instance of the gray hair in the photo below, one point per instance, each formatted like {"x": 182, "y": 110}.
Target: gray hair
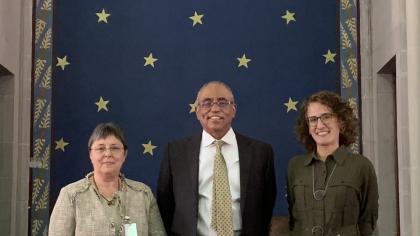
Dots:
{"x": 215, "y": 82}
{"x": 103, "y": 130}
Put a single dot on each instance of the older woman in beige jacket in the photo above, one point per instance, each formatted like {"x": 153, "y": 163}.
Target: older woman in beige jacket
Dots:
{"x": 104, "y": 202}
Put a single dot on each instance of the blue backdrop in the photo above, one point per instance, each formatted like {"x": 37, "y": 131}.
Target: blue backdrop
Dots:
{"x": 140, "y": 64}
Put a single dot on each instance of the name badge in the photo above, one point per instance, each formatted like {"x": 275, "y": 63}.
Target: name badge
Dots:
{"x": 130, "y": 229}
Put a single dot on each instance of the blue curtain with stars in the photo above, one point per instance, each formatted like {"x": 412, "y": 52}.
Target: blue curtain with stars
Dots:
{"x": 140, "y": 64}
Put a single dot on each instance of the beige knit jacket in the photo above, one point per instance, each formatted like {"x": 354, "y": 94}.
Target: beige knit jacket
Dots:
{"x": 79, "y": 211}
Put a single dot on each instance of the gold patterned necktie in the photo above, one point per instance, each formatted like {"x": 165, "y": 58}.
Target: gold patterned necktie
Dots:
{"x": 221, "y": 211}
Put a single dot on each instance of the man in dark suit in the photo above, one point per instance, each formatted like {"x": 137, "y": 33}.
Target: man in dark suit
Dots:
{"x": 185, "y": 188}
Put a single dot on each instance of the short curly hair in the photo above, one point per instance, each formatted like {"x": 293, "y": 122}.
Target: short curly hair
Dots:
{"x": 341, "y": 109}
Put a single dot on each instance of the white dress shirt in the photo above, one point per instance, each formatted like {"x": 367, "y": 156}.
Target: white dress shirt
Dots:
{"x": 205, "y": 181}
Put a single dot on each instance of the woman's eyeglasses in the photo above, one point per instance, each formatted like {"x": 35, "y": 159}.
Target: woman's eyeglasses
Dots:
{"x": 325, "y": 118}
{"x": 112, "y": 150}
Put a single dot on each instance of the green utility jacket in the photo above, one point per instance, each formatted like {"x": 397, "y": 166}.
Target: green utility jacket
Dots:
{"x": 350, "y": 205}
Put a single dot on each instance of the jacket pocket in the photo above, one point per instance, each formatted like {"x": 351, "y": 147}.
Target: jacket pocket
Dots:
{"x": 344, "y": 205}
{"x": 345, "y": 194}
{"x": 300, "y": 193}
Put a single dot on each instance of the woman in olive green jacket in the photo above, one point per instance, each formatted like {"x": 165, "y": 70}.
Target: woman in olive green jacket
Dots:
{"x": 331, "y": 191}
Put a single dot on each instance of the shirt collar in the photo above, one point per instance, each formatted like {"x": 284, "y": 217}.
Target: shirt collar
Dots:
{"x": 207, "y": 139}
{"x": 89, "y": 182}
{"x": 338, "y": 155}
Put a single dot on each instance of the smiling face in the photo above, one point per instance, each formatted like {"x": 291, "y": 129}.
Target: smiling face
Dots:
{"x": 215, "y": 120}
{"x": 325, "y": 134}
{"x": 107, "y": 155}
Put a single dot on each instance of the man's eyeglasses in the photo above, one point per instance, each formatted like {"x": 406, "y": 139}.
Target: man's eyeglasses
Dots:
{"x": 112, "y": 150}
{"x": 325, "y": 118}
{"x": 207, "y": 104}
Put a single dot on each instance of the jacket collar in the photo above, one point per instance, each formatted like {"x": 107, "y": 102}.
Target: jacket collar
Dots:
{"x": 339, "y": 155}
{"x": 245, "y": 161}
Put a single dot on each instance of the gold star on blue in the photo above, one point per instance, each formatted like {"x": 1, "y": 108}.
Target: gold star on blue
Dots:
{"x": 289, "y": 16}
{"x": 62, "y": 62}
{"x": 148, "y": 147}
{"x": 102, "y": 104}
{"x": 150, "y": 60}
{"x": 243, "y": 61}
{"x": 196, "y": 18}
{"x": 103, "y": 16}
{"x": 193, "y": 107}
{"x": 291, "y": 105}
{"x": 60, "y": 144}
{"x": 329, "y": 56}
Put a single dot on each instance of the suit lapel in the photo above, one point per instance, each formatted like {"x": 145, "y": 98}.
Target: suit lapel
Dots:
{"x": 193, "y": 152}
{"x": 245, "y": 160}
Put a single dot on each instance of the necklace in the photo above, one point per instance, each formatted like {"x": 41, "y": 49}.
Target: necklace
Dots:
{"x": 99, "y": 194}
{"x": 320, "y": 193}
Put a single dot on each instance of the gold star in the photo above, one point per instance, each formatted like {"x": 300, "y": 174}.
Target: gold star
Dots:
{"x": 289, "y": 16}
{"x": 149, "y": 60}
{"x": 62, "y": 62}
{"x": 196, "y": 18}
{"x": 291, "y": 105}
{"x": 102, "y": 16}
{"x": 193, "y": 107}
{"x": 148, "y": 148}
{"x": 102, "y": 104}
{"x": 243, "y": 61}
{"x": 60, "y": 144}
{"x": 329, "y": 56}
